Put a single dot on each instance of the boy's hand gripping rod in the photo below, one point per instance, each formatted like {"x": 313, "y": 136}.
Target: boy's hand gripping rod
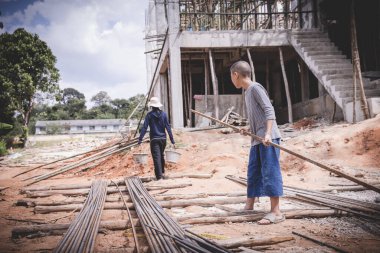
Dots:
{"x": 321, "y": 165}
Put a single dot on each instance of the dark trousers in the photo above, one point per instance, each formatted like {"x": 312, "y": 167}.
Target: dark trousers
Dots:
{"x": 157, "y": 148}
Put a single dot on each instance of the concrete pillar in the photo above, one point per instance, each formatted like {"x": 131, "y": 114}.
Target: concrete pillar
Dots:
{"x": 150, "y": 30}
{"x": 161, "y": 23}
{"x": 175, "y": 64}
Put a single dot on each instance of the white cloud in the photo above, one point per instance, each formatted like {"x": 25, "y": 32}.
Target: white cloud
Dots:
{"x": 98, "y": 43}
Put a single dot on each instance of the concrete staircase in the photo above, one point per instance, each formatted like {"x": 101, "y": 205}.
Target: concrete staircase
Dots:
{"x": 331, "y": 68}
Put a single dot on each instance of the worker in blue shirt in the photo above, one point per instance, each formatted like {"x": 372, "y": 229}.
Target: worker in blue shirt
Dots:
{"x": 157, "y": 121}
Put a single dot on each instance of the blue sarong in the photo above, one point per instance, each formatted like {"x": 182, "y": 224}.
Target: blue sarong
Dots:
{"x": 264, "y": 174}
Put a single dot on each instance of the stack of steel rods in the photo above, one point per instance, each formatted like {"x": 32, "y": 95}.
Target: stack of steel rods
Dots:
{"x": 353, "y": 206}
{"x": 67, "y": 158}
{"x": 102, "y": 154}
{"x": 162, "y": 232}
{"x": 80, "y": 237}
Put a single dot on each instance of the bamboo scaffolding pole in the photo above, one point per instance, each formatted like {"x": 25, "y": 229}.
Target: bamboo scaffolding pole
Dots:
{"x": 214, "y": 84}
{"x": 319, "y": 164}
{"x": 207, "y": 79}
{"x": 253, "y": 76}
{"x": 288, "y": 99}
{"x": 356, "y": 61}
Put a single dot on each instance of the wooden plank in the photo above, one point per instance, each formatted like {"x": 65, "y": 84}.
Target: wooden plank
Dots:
{"x": 253, "y": 241}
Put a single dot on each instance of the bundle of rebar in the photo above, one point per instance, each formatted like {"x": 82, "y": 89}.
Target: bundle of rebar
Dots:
{"x": 103, "y": 153}
{"x": 81, "y": 235}
{"x": 353, "y": 206}
{"x": 162, "y": 232}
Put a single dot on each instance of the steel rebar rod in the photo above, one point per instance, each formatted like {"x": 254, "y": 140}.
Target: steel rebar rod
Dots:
{"x": 130, "y": 218}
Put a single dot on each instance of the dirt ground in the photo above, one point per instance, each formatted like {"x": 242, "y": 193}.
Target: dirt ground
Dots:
{"x": 354, "y": 149}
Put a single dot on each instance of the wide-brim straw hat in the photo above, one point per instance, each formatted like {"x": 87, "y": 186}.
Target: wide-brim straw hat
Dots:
{"x": 154, "y": 102}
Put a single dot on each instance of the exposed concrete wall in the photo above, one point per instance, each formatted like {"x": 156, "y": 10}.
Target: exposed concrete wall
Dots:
{"x": 225, "y": 102}
{"x": 373, "y": 105}
{"x": 311, "y": 108}
{"x": 175, "y": 65}
{"x": 218, "y": 39}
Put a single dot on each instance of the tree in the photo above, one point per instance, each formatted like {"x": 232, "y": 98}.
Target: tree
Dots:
{"x": 134, "y": 101}
{"x": 27, "y": 65}
{"x": 69, "y": 94}
{"x": 74, "y": 103}
{"x": 101, "y": 98}
{"x": 120, "y": 107}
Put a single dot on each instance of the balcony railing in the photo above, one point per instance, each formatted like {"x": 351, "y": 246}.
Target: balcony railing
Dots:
{"x": 246, "y": 15}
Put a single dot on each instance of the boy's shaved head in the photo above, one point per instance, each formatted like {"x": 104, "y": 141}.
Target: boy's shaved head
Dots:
{"x": 241, "y": 67}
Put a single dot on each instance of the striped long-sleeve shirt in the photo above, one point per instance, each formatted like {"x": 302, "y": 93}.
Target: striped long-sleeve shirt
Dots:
{"x": 260, "y": 110}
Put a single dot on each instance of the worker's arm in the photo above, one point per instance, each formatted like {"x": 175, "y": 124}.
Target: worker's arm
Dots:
{"x": 262, "y": 99}
{"x": 268, "y": 133}
{"x": 144, "y": 128}
{"x": 168, "y": 129}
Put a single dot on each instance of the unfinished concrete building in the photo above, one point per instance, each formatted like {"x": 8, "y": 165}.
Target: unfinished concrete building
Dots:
{"x": 190, "y": 45}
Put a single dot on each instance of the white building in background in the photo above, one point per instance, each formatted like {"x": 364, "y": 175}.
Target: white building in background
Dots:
{"x": 80, "y": 126}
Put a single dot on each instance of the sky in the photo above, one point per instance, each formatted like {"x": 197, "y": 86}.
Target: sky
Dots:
{"x": 98, "y": 43}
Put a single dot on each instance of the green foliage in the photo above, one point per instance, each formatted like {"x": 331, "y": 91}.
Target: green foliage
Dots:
{"x": 71, "y": 94}
{"x": 12, "y": 137}
{"x": 4, "y": 126}
{"x": 3, "y": 148}
{"x": 101, "y": 98}
{"x": 27, "y": 66}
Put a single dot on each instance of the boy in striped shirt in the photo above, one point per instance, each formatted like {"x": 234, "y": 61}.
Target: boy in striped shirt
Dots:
{"x": 264, "y": 174}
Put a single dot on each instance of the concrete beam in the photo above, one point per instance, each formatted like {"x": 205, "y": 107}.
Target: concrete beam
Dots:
{"x": 219, "y": 39}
